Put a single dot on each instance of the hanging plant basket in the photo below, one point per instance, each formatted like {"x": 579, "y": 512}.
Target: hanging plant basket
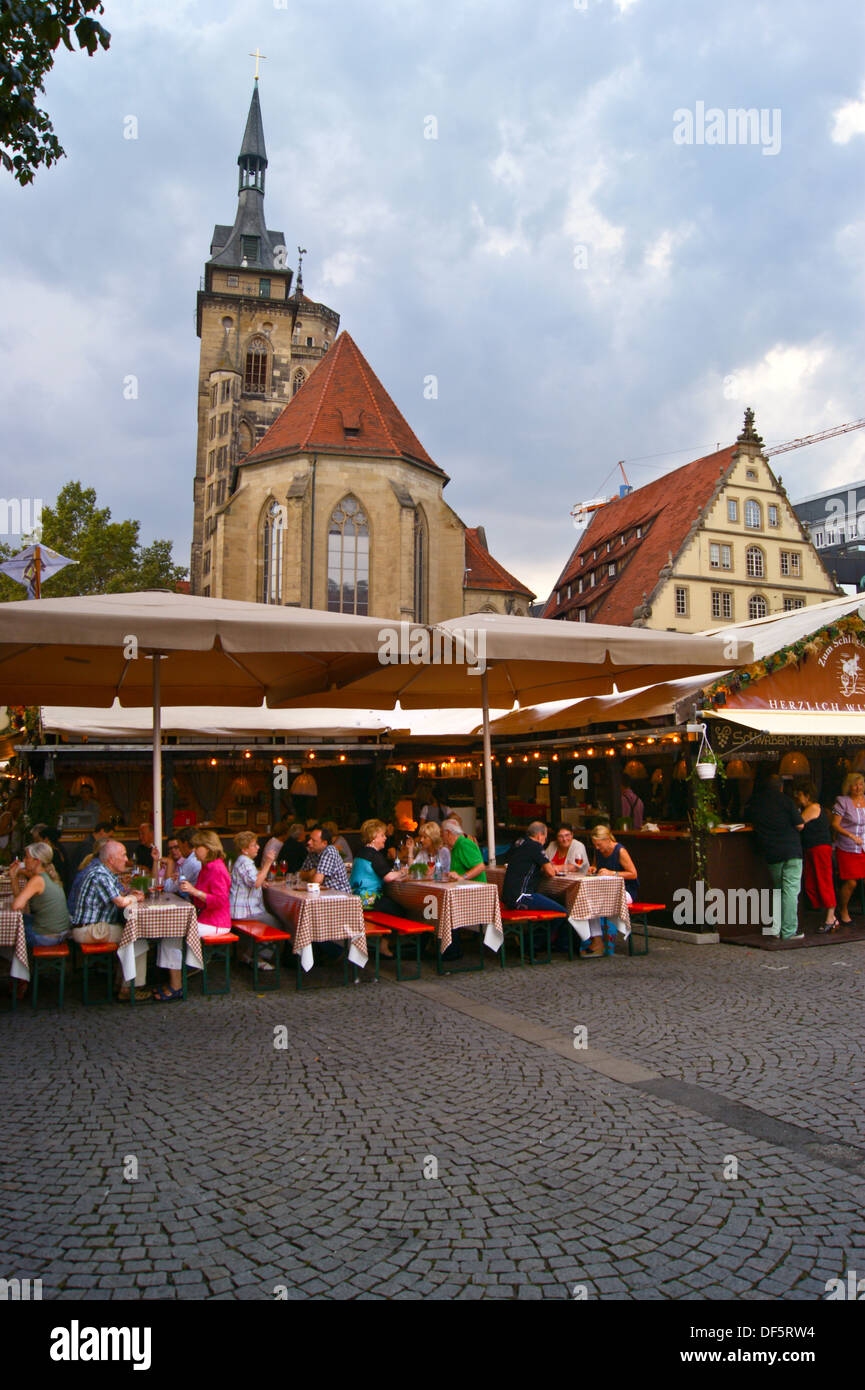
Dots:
{"x": 706, "y": 766}
{"x": 706, "y": 771}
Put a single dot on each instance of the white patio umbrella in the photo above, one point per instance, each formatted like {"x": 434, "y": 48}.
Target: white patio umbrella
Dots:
{"x": 527, "y": 660}
{"x": 146, "y": 648}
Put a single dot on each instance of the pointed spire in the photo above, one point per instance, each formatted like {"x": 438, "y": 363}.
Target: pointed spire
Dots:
{"x": 301, "y": 252}
{"x": 253, "y": 156}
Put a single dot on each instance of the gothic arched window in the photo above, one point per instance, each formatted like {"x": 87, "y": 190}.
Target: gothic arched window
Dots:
{"x": 274, "y": 537}
{"x": 255, "y": 374}
{"x": 348, "y": 559}
{"x": 421, "y": 563}
{"x": 297, "y": 381}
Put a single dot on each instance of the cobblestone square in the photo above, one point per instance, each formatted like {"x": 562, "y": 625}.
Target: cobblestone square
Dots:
{"x": 445, "y": 1139}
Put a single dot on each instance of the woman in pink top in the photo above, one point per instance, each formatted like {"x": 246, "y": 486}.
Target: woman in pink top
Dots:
{"x": 211, "y": 894}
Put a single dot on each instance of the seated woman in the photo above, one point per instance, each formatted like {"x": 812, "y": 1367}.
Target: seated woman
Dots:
{"x": 816, "y": 834}
{"x": 210, "y": 895}
{"x": 339, "y": 843}
{"x": 38, "y": 894}
{"x": 50, "y": 835}
{"x": 567, "y": 855}
{"x": 246, "y": 898}
{"x": 432, "y": 852}
{"x": 371, "y": 871}
{"x": 611, "y": 859}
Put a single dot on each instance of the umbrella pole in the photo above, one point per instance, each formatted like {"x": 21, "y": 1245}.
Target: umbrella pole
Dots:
{"x": 157, "y": 755}
{"x": 488, "y": 773}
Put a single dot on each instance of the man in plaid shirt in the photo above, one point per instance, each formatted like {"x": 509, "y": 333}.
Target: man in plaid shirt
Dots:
{"x": 96, "y": 909}
{"x": 323, "y": 864}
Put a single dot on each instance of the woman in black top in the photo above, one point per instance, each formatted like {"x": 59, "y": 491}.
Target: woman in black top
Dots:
{"x": 816, "y": 832}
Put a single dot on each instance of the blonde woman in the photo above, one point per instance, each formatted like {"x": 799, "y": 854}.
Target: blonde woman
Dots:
{"x": 246, "y": 898}
{"x": 371, "y": 871}
{"x": 432, "y": 851}
{"x": 610, "y": 859}
{"x": 211, "y": 890}
{"x": 38, "y": 893}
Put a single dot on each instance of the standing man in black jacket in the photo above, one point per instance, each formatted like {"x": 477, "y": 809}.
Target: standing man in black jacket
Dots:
{"x": 777, "y": 822}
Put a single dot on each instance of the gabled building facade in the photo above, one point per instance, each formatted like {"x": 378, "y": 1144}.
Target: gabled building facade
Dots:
{"x": 716, "y": 541}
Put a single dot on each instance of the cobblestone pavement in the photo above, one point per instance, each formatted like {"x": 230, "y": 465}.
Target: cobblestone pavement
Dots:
{"x": 298, "y": 1171}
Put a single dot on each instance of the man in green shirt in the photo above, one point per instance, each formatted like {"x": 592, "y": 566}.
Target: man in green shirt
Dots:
{"x": 466, "y": 859}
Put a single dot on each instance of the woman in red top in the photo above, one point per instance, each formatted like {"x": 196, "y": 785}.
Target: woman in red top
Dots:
{"x": 211, "y": 893}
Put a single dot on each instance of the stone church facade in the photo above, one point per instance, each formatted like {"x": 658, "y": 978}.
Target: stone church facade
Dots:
{"x": 310, "y": 487}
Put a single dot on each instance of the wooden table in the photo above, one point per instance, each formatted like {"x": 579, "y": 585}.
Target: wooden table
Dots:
{"x": 159, "y": 917}
{"x": 323, "y": 916}
{"x": 450, "y": 904}
{"x": 588, "y": 897}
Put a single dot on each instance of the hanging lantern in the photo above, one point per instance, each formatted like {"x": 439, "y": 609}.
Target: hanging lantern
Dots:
{"x": 739, "y": 770}
{"x": 304, "y": 785}
{"x": 657, "y": 776}
{"x": 636, "y": 770}
{"x": 680, "y": 771}
{"x": 795, "y": 765}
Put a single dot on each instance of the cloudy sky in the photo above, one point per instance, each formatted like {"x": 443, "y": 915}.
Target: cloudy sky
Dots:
{"x": 587, "y": 278}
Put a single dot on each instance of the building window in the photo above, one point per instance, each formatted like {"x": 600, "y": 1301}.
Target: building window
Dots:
{"x": 753, "y": 515}
{"x": 754, "y": 563}
{"x": 592, "y": 580}
{"x": 212, "y": 427}
{"x": 206, "y": 566}
{"x": 714, "y": 556}
{"x": 722, "y": 603}
{"x": 751, "y": 474}
{"x": 608, "y": 547}
{"x": 249, "y": 247}
{"x": 220, "y": 492}
{"x": 622, "y": 539}
{"x": 309, "y": 342}
{"x": 819, "y": 539}
{"x": 297, "y": 381}
{"x": 774, "y": 515}
{"x": 224, "y": 421}
{"x": 720, "y": 556}
{"x": 639, "y": 532}
{"x": 255, "y": 375}
{"x": 611, "y": 569}
{"x": 732, "y": 509}
{"x": 225, "y": 390}
{"x": 421, "y": 548}
{"x": 348, "y": 559}
{"x": 791, "y": 603}
{"x": 221, "y": 456}
{"x": 264, "y": 289}
{"x": 232, "y": 281}
{"x": 209, "y": 496}
{"x": 274, "y": 536}
{"x": 580, "y": 586}
{"x": 757, "y": 606}
{"x": 569, "y": 591}
{"x": 681, "y": 603}
{"x": 582, "y": 615}
{"x": 213, "y": 391}
{"x": 211, "y": 460}
{"x": 790, "y": 563}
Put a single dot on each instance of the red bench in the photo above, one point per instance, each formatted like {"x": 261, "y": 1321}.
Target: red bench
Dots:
{"x": 97, "y": 955}
{"x": 642, "y": 910}
{"x": 385, "y": 923}
{"x": 47, "y": 958}
{"x": 516, "y": 919}
{"x": 260, "y": 935}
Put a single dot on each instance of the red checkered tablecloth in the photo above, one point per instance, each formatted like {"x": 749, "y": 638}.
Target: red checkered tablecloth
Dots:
{"x": 324, "y": 916}
{"x": 171, "y": 917}
{"x": 602, "y": 895}
{"x": 12, "y": 934}
{"x": 447, "y": 906}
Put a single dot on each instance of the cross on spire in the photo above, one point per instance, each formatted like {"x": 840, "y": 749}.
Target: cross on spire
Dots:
{"x": 259, "y": 57}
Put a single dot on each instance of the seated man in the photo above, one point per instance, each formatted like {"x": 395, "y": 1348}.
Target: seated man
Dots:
{"x": 97, "y": 913}
{"x": 188, "y": 863}
{"x": 528, "y": 868}
{"x": 467, "y": 865}
{"x": 145, "y": 852}
{"x": 323, "y": 863}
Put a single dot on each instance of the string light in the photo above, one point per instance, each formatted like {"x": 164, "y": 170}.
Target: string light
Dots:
{"x": 342, "y": 757}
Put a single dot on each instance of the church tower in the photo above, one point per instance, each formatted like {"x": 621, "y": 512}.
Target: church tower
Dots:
{"x": 259, "y": 343}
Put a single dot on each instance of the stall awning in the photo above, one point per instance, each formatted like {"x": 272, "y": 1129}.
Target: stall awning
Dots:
{"x": 795, "y": 722}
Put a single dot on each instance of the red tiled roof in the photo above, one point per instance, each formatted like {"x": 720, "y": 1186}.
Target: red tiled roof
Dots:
{"x": 667, "y": 508}
{"x": 341, "y": 392}
{"x": 483, "y": 572}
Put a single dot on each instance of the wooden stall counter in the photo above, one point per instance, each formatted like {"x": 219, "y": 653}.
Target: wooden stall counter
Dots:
{"x": 663, "y": 861}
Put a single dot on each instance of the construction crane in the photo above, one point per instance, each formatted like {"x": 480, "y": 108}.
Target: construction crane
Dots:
{"x": 582, "y": 510}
